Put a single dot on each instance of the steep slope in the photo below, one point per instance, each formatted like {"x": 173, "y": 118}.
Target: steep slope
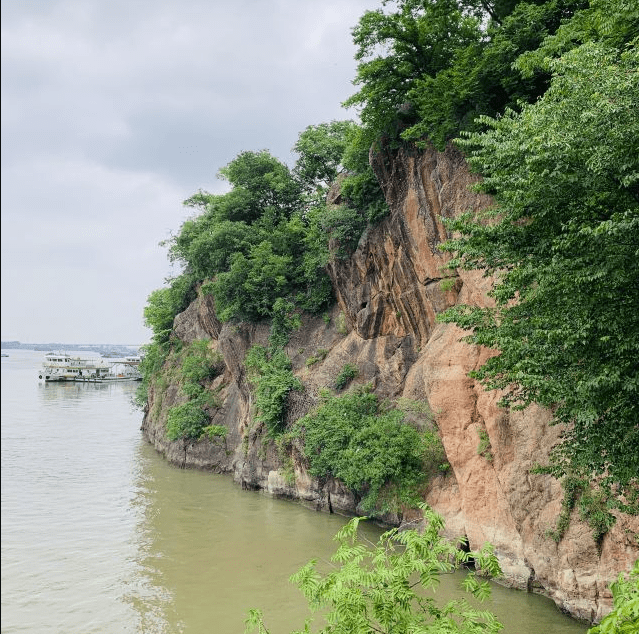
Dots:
{"x": 389, "y": 293}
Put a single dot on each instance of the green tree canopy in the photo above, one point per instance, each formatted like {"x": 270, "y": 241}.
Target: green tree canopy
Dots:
{"x": 563, "y": 242}
{"x": 261, "y": 241}
{"x": 480, "y": 78}
{"x": 208, "y": 245}
{"x": 164, "y": 303}
{"x": 397, "y": 49}
{"x": 250, "y": 287}
{"x": 429, "y": 68}
{"x": 260, "y": 182}
{"x": 320, "y": 150}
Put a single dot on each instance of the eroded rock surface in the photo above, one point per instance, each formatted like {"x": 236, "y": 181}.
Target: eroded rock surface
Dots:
{"x": 389, "y": 292}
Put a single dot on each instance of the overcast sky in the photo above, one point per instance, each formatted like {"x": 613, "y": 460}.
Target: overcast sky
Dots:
{"x": 115, "y": 112}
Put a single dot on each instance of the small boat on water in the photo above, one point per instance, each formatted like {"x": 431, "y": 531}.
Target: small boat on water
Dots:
{"x": 63, "y": 367}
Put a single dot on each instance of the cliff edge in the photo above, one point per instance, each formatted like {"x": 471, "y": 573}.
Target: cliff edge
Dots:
{"x": 389, "y": 293}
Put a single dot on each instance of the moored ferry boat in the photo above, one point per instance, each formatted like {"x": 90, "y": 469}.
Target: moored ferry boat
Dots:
{"x": 63, "y": 367}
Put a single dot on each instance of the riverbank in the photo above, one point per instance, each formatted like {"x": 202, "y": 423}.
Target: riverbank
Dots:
{"x": 101, "y": 535}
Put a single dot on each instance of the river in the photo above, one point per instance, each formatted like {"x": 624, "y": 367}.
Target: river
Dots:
{"x": 101, "y": 535}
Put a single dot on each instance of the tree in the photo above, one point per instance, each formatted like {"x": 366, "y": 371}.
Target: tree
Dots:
{"x": 360, "y": 190}
{"x": 614, "y": 23}
{"x": 429, "y": 68}
{"x": 260, "y": 182}
{"x": 320, "y": 149}
{"x": 206, "y": 245}
{"x": 249, "y": 288}
{"x": 480, "y": 78}
{"x": 165, "y": 303}
{"x": 259, "y": 241}
{"x": 563, "y": 243}
{"x": 397, "y": 49}
{"x": 381, "y": 589}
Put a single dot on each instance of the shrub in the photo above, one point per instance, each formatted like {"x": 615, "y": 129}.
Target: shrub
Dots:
{"x": 624, "y": 619}
{"x": 594, "y": 508}
{"x": 483, "y": 449}
{"x": 346, "y": 374}
{"x": 283, "y": 322}
{"x": 344, "y": 227}
{"x": 153, "y": 357}
{"x": 320, "y": 355}
{"x": 353, "y": 439}
{"x": 386, "y": 587}
{"x": 191, "y": 367}
{"x": 186, "y": 421}
{"x": 284, "y": 444}
{"x": 165, "y": 303}
{"x": 341, "y": 324}
{"x": 214, "y": 432}
{"x": 272, "y": 378}
{"x": 434, "y": 453}
{"x": 192, "y": 390}
{"x": 573, "y": 487}
{"x": 200, "y": 362}
{"x": 447, "y": 284}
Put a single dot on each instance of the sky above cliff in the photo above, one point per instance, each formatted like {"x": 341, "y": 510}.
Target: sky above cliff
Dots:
{"x": 115, "y": 112}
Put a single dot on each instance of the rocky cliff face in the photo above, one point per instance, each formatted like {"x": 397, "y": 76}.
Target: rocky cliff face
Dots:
{"x": 389, "y": 294}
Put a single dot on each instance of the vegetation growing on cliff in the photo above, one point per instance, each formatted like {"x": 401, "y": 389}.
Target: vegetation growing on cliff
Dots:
{"x": 368, "y": 445}
{"x": 381, "y": 589}
{"x": 192, "y": 367}
{"x": 346, "y": 374}
{"x": 544, "y": 95}
{"x": 272, "y": 378}
{"x": 270, "y": 371}
{"x": 267, "y": 239}
{"x": 562, "y": 241}
{"x": 261, "y": 250}
{"x": 428, "y": 68}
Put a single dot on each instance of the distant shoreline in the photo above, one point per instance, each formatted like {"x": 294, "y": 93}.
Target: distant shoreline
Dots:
{"x": 102, "y": 348}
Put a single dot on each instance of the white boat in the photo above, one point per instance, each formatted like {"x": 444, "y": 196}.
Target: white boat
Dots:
{"x": 63, "y": 367}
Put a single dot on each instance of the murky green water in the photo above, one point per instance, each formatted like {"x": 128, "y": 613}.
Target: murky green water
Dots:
{"x": 100, "y": 535}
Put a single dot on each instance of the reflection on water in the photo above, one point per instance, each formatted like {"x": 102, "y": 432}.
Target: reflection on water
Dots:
{"x": 209, "y": 551}
{"x": 60, "y": 392}
{"x": 67, "y": 522}
{"x": 101, "y": 535}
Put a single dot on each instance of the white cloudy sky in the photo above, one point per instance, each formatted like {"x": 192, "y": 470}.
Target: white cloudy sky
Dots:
{"x": 114, "y": 112}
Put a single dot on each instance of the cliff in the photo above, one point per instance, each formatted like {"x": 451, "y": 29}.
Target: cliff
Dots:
{"x": 389, "y": 293}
